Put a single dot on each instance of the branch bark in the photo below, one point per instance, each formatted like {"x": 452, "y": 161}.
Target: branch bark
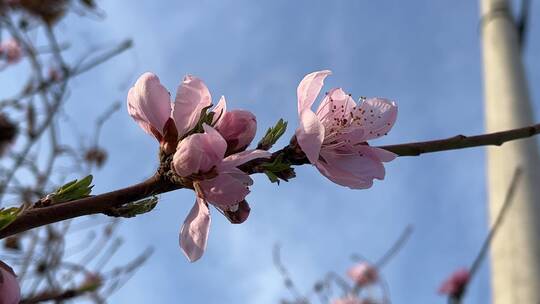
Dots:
{"x": 36, "y": 217}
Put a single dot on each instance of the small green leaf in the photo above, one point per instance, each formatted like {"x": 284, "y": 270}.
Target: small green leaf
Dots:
{"x": 135, "y": 208}
{"x": 272, "y": 135}
{"x": 272, "y": 177}
{"x": 73, "y": 190}
{"x": 7, "y": 216}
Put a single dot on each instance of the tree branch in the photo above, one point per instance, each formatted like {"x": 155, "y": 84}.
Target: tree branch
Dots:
{"x": 36, "y": 217}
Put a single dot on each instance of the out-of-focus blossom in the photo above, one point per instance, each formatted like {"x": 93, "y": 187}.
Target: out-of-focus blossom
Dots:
{"x": 217, "y": 180}
{"x": 55, "y": 74}
{"x": 363, "y": 274}
{"x": 238, "y": 128}
{"x": 10, "y": 292}
{"x": 10, "y": 51}
{"x": 455, "y": 284}
{"x": 334, "y": 138}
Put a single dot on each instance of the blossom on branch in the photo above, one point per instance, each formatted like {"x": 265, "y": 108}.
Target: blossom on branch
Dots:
{"x": 10, "y": 51}
{"x": 208, "y": 147}
{"x": 334, "y": 138}
{"x": 217, "y": 180}
{"x": 454, "y": 286}
{"x": 363, "y": 274}
{"x": 10, "y": 291}
{"x": 351, "y": 299}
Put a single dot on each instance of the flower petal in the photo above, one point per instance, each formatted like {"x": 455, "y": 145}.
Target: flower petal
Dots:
{"x": 199, "y": 153}
{"x": 192, "y": 96}
{"x": 238, "y": 159}
{"x": 336, "y": 104}
{"x": 310, "y": 135}
{"x": 10, "y": 292}
{"x": 228, "y": 188}
{"x": 219, "y": 110}
{"x": 194, "y": 231}
{"x": 149, "y": 103}
{"x": 354, "y": 170}
{"x": 377, "y": 116}
{"x": 309, "y": 88}
{"x": 238, "y": 128}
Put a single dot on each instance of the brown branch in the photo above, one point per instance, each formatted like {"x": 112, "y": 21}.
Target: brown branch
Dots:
{"x": 54, "y": 296}
{"x": 462, "y": 141}
{"x": 36, "y": 217}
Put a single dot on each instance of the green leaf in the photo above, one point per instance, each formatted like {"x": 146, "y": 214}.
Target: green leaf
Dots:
{"x": 135, "y": 208}
{"x": 272, "y": 135}
{"x": 272, "y": 177}
{"x": 73, "y": 190}
{"x": 7, "y": 216}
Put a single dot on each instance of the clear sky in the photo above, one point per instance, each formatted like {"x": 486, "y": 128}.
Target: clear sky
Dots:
{"x": 423, "y": 54}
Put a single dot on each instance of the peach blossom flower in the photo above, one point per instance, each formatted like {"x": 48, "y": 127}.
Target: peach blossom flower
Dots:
{"x": 334, "y": 138}
{"x": 363, "y": 274}
{"x": 11, "y": 51}
{"x": 456, "y": 283}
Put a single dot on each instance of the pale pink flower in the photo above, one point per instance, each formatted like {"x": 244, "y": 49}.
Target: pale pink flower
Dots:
{"x": 238, "y": 128}
{"x": 10, "y": 292}
{"x": 217, "y": 180}
{"x": 11, "y": 51}
{"x": 149, "y": 103}
{"x": 335, "y": 137}
{"x": 363, "y": 274}
{"x": 456, "y": 283}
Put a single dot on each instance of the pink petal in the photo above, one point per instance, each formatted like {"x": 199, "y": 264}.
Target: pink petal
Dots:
{"x": 310, "y": 135}
{"x": 309, "y": 89}
{"x": 194, "y": 231}
{"x": 336, "y": 104}
{"x": 199, "y": 153}
{"x": 238, "y": 128}
{"x": 10, "y": 292}
{"x": 219, "y": 110}
{"x": 353, "y": 170}
{"x": 238, "y": 159}
{"x": 228, "y": 188}
{"x": 192, "y": 96}
{"x": 149, "y": 103}
{"x": 377, "y": 115}
{"x": 382, "y": 154}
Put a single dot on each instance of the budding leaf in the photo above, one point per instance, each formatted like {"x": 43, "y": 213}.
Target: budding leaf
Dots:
{"x": 278, "y": 169}
{"x": 73, "y": 190}
{"x": 205, "y": 117}
{"x": 272, "y": 135}
{"x": 7, "y": 216}
{"x": 134, "y": 208}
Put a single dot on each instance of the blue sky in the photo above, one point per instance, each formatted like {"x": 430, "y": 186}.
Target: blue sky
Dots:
{"x": 423, "y": 54}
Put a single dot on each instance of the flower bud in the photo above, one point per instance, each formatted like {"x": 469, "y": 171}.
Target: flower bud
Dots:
{"x": 238, "y": 127}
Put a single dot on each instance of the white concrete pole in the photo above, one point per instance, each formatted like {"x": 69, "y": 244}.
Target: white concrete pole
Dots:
{"x": 515, "y": 251}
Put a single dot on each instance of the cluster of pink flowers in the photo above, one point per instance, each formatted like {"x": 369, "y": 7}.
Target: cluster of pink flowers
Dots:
{"x": 208, "y": 146}
{"x": 10, "y": 51}
{"x": 210, "y": 158}
{"x": 10, "y": 292}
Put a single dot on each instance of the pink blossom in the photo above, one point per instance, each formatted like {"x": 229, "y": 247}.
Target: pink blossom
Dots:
{"x": 363, "y": 274}
{"x": 11, "y": 51}
{"x": 217, "y": 180}
{"x": 149, "y": 103}
{"x": 238, "y": 128}
{"x": 335, "y": 137}
{"x": 10, "y": 292}
{"x": 456, "y": 283}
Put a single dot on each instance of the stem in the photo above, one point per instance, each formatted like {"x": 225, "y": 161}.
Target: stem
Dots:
{"x": 36, "y": 217}
{"x": 462, "y": 141}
